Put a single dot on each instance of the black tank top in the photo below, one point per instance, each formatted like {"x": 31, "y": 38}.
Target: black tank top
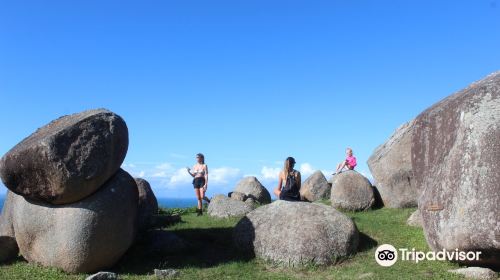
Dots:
{"x": 291, "y": 190}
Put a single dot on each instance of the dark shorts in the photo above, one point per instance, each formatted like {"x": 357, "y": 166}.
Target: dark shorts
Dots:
{"x": 198, "y": 183}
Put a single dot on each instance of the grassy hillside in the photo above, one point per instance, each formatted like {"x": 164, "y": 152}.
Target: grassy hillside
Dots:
{"x": 213, "y": 257}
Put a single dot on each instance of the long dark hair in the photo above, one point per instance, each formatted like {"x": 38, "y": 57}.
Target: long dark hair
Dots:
{"x": 202, "y": 157}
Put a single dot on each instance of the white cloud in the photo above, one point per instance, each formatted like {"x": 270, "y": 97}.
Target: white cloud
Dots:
{"x": 165, "y": 166}
{"x": 223, "y": 175}
{"x": 270, "y": 173}
{"x": 306, "y": 170}
{"x": 180, "y": 177}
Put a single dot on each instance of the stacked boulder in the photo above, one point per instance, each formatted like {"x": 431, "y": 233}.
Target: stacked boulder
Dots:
{"x": 247, "y": 195}
{"x": 391, "y": 167}
{"x": 70, "y": 206}
{"x": 352, "y": 191}
{"x": 315, "y": 188}
{"x": 456, "y": 162}
{"x": 297, "y": 234}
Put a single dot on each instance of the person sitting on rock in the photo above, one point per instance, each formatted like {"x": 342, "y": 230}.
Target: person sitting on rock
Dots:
{"x": 200, "y": 182}
{"x": 292, "y": 179}
{"x": 349, "y": 163}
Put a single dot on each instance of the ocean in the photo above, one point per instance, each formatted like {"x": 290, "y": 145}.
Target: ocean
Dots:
{"x": 163, "y": 202}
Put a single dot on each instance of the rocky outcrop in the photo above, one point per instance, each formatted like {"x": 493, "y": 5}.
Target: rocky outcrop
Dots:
{"x": 252, "y": 188}
{"x": 352, "y": 191}
{"x": 315, "y": 188}
{"x": 68, "y": 159}
{"x": 147, "y": 206}
{"x": 391, "y": 167}
{"x": 224, "y": 207}
{"x": 297, "y": 233}
{"x": 456, "y": 162}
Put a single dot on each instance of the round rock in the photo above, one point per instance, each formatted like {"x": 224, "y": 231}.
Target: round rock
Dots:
{"x": 352, "y": 191}
{"x": 224, "y": 207}
{"x": 82, "y": 237}
{"x": 315, "y": 188}
{"x": 297, "y": 233}
{"x": 252, "y": 188}
{"x": 68, "y": 159}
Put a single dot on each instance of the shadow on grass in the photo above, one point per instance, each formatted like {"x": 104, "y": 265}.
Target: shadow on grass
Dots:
{"x": 366, "y": 243}
{"x": 207, "y": 248}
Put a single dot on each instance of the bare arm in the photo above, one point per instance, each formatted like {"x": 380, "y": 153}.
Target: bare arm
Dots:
{"x": 277, "y": 191}
{"x": 299, "y": 180}
{"x": 206, "y": 178}
{"x": 189, "y": 171}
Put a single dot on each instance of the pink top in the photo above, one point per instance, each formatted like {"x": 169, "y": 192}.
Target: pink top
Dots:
{"x": 351, "y": 161}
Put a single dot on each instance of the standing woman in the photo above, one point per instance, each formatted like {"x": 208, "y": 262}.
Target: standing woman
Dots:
{"x": 200, "y": 182}
{"x": 292, "y": 180}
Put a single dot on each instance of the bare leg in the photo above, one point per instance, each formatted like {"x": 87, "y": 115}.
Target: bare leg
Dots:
{"x": 198, "y": 197}
{"x": 340, "y": 167}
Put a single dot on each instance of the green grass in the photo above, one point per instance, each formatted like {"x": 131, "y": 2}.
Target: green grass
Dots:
{"x": 212, "y": 256}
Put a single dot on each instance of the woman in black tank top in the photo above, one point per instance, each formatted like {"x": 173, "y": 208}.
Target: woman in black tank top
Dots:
{"x": 292, "y": 180}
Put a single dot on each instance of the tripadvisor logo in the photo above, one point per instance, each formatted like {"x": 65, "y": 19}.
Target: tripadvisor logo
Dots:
{"x": 387, "y": 255}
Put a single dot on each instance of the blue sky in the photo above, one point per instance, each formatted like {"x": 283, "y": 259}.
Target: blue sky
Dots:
{"x": 248, "y": 83}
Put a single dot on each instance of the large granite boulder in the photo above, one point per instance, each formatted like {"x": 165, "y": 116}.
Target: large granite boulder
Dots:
{"x": 224, "y": 207}
{"x": 456, "y": 162}
{"x": 252, "y": 188}
{"x": 148, "y": 205}
{"x": 8, "y": 245}
{"x": 83, "y": 237}
{"x": 352, "y": 191}
{"x": 315, "y": 188}
{"x": 297, "y": 233}
{"x": 68, "y": 159}
{"x": 390, "y": 165}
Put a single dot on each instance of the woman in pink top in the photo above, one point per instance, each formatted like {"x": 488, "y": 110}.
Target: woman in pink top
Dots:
{"x": 349, "y": 163}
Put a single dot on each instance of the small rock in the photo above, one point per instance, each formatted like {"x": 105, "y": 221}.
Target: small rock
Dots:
{"x": 238, "y": 196}
{"x": 476, "y": 273}
{"x": 166, "y": 273}
{"x": 366, "y": 275}
{"x": 103, "y": 276}
{"x": 250, "y": 201}
{"x": 415, "y": 220}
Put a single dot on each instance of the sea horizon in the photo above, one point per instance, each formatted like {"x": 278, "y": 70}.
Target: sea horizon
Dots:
{"x": 165, "y": 202}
